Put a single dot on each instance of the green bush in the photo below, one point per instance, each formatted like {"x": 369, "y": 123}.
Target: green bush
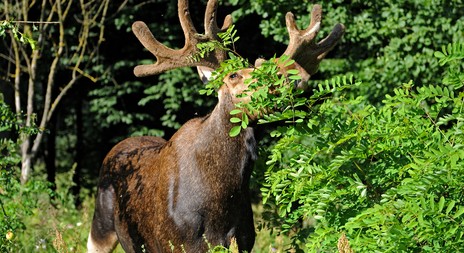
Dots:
{"x": 386, "y": 43}
{"x": 388, "y": 176}
{"x": 32, "y": 216}
{"x": 16, "y": 201}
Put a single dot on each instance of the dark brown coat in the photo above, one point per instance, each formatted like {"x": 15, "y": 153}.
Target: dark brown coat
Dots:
{"x": 158, "y": 194}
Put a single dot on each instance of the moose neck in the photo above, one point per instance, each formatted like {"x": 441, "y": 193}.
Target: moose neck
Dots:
{"x": 220, "y": 117}
{"x": 224, "y": 156}
{"x": 219, "y": 120}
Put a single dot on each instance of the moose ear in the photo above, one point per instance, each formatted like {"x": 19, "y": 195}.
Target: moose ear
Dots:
{"x": 205, "y": 73}
{"x": 259, "y": 62}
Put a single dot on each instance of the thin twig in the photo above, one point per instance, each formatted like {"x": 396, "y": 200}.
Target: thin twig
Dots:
{"x": 32, "y": 22}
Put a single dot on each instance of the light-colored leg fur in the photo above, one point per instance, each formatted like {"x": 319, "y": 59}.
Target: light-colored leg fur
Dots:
{"x": 105, "y": 246}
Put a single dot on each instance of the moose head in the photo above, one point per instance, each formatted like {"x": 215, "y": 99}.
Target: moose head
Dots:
{"x": 162, "y": 196}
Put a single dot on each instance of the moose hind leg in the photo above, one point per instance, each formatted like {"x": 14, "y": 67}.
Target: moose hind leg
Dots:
{"x": 102, "y": 236}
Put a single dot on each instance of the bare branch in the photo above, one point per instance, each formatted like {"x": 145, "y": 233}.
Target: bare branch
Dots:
{"x": 33, "y": 22}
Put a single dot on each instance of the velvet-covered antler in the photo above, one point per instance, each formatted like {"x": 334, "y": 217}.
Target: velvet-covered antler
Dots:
{"x": 167, "y": 58}
{"x": 303, "y": 47}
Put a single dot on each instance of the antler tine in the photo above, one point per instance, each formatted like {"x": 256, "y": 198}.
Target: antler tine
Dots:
{"x": 159, "y": 50}
{"x": 167, "y": 58}
{"x": 185, "y": 20}
{"x": 211, "y": 27}
{"x": 302, "y": 46}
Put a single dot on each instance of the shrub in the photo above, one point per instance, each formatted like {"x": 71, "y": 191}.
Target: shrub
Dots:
{"x": 16, "y": 201}
{"x": 32, "y": 216}
{"x": 390, "y": 176}
{"x": 386, "y": 42}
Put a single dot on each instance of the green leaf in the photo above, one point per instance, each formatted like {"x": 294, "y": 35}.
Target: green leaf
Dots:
{"x": 234, "y": 131}
{"x": 294, "y": 77}
{"x": 235, "y": 111}
{"x": 439, "y": 54}
{"x": 450, "y": 206}
{"x": 441, "y": 204}
{"x": 245, "y": 119}
{"x": 293, "y": 72}
{"x": 459, "y": 212}
{"x": 244, "y": 125}
{"x": 235, "y": 120}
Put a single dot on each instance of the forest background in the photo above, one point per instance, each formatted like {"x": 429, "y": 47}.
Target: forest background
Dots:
{"x": 376, "y": 156}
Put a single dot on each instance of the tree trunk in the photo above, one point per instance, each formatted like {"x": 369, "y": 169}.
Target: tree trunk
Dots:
{"x": 80, "y": 50}
{"x": 26, "y": 158}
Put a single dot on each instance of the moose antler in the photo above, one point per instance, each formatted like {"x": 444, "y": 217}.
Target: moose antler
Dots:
{"x": 167, "y": 58}
{"x": 302, "y": 46}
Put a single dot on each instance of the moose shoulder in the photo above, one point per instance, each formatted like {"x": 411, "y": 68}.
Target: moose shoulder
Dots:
{"x": 155, "y": 195}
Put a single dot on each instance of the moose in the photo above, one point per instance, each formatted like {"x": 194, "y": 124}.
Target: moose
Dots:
{"x": 193, "y": 190}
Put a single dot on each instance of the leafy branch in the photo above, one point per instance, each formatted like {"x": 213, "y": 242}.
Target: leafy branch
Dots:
{"x": 227, "y": 40}
{"x": 273, "y": 96}
{"x": 13, "y": 27}
{"x": 451, "y": 52}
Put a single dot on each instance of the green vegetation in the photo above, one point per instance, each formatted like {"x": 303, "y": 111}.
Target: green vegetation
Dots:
{"x": 33, "y": 217}
{"x": 388, "y": 176}
{"x": 6, "y": 25}
{"x": 373, "y": 152}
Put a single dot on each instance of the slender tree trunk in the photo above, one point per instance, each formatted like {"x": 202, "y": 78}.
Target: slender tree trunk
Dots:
{"x": 52, "y": 13}
{"x": 26, "y": 159}
{"x": 27, "y": 153}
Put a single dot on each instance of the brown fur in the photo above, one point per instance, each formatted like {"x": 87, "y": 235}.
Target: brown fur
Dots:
{"x": 156, "y": 193}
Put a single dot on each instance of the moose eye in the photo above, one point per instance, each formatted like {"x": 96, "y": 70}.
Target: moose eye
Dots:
{"x": 233, "y": 76}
